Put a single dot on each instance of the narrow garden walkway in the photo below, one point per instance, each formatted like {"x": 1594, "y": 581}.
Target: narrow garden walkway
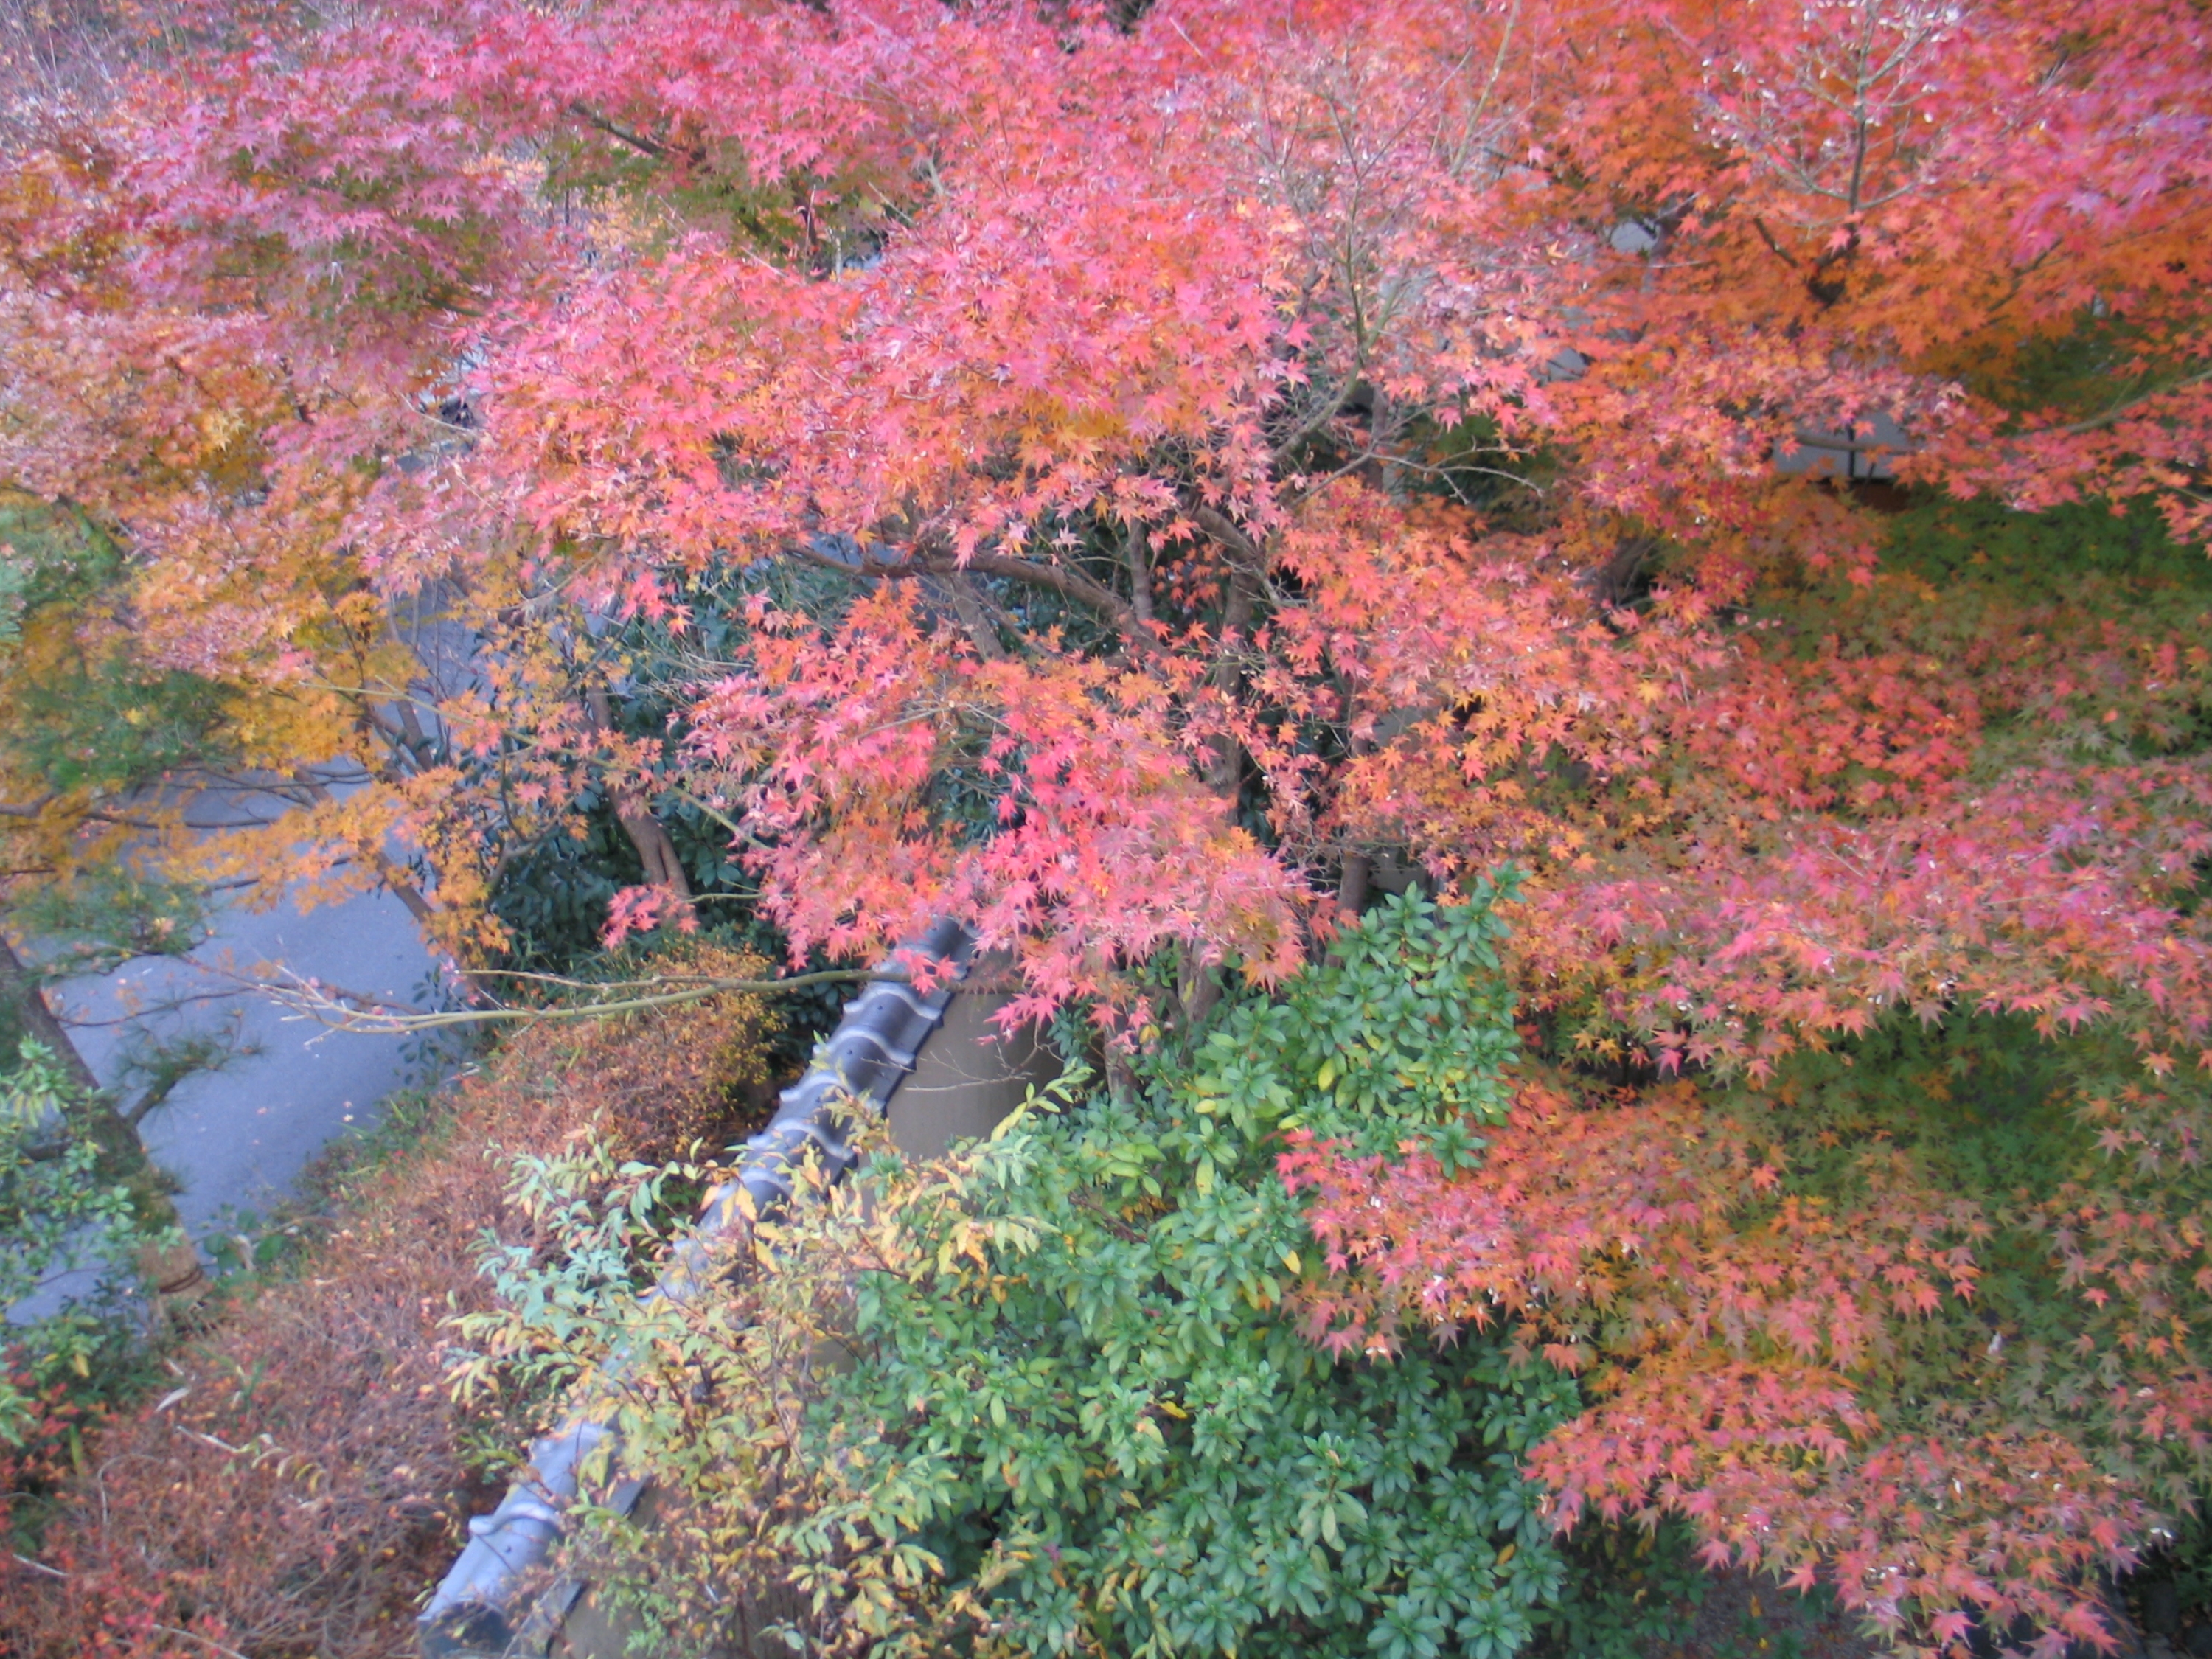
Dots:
{"x": 237, "y": 1137}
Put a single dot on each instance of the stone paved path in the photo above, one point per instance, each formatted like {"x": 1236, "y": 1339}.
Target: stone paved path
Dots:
{"x": 238, "y": 1137}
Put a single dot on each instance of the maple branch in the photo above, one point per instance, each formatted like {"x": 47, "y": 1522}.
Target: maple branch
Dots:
{"x": 122, "y": 821}
{"x": 1069, "y": 584}
{"x": 172, "y": 1002}
{"x": 1284, "y": 452}
{"x": 592, "y": 118}
{"x": 1841, "y": 445}
{"x": 1768, "y": 237}
{"x": 1248, "y": 568}
{"x": 968, "y": 605}
{"x": 722, "y": 981}
{"x": 341, "y": 1010}
{"x": 723, "y": 818}
{"x": 2118, "y": 411}
{"x": 1226, "y": 530}
{"x": 1497, "y": 63}
{"x": 394, "y": 733}
{"x": 394, "y": 881}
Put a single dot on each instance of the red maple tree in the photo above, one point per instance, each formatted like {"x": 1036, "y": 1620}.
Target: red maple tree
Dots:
{"x": 1176, "y": 464}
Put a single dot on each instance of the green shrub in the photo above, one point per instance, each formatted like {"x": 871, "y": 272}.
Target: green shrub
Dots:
{"x": 62, "y": 1360}
{"x": 1072, "y": 1407}
{"x": 1629, "y": 1591}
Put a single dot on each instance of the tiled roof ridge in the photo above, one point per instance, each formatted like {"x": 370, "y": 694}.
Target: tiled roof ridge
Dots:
{"x": 485, "y": 1604}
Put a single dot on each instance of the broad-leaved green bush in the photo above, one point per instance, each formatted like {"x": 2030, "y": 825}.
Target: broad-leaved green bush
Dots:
{"x": 59, "y": 1219}
{"x": 1051, "y": 1396}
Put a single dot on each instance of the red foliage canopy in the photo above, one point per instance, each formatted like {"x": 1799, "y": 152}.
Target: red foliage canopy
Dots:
{"x": 1183, "y": 457}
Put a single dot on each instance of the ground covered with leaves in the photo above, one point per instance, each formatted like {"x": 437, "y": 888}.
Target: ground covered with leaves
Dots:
{"x": 297, "y": 1474}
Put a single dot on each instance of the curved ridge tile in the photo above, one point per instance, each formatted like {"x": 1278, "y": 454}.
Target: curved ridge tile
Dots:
{"x": 489, "y": 1602}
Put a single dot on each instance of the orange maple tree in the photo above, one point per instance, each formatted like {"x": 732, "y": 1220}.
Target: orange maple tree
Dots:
{"x": 1156, "y": 471}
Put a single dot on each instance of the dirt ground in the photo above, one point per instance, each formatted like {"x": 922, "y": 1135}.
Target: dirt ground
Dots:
{"x": 1744, "y": 1617}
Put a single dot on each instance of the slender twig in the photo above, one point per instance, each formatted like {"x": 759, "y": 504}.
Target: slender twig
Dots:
{"x": 2119, "y": 411}
{"x": 711, "y": 981}
{"x": 715, "y": 813}
{"x": 194, "y": 1636}
{"x": 1069, "y": 584}
{"x": 311, "y": 1002}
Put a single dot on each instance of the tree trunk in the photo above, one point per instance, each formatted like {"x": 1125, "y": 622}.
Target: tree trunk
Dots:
{"x": 1198, "y": 988}
{"x": 122, "y": 1155}
{"x": 654, "y": 848}
{"x": 1352, "y": 891}
{"x": 968, "y": 605}
{"x": 655, "y": 851}
{"x": 1140, "y": 572}
{"x": 1225, "y": 767}
{"x": 21, "y": 987}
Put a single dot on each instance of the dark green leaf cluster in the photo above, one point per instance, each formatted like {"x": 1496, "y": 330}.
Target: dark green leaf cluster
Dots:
{"x": 84, "y": 715}
{"x": 1095, "y": 1402}
{"x": 95, "y": 724}
{"x": 111, "y": 915}
{"x": 59, "y": 1217}
{"x": 2119, "y": 558}
{"x": 1629, "y": 1591}
{"x": 49, "y": 556}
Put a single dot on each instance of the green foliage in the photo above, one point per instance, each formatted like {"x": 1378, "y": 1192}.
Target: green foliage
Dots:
{"x": 1410, "y": 1029}
{"x": 15, "y": 575}
{"x": 552, "y": 898}
{"x": 1627, "y": 1590}
{"x": 12, "y": 1025}
{"x": 1110, "y": 1415}
{"x": 1078, "y": 1412}
{"x": 607, "y": 1215}
{"x": 2081, "y": 551}
{"x": 96, "y": 723}
{"x": 84, "y": 713}
{"x": 1979, "y": 1105}
{"x": 1983, "y": 1110}
{"x": 110, "y": 914}
{"x": 57, "y": 1216}
{"x": 49, "y": 554}
{"x": 2098, "y": 363}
